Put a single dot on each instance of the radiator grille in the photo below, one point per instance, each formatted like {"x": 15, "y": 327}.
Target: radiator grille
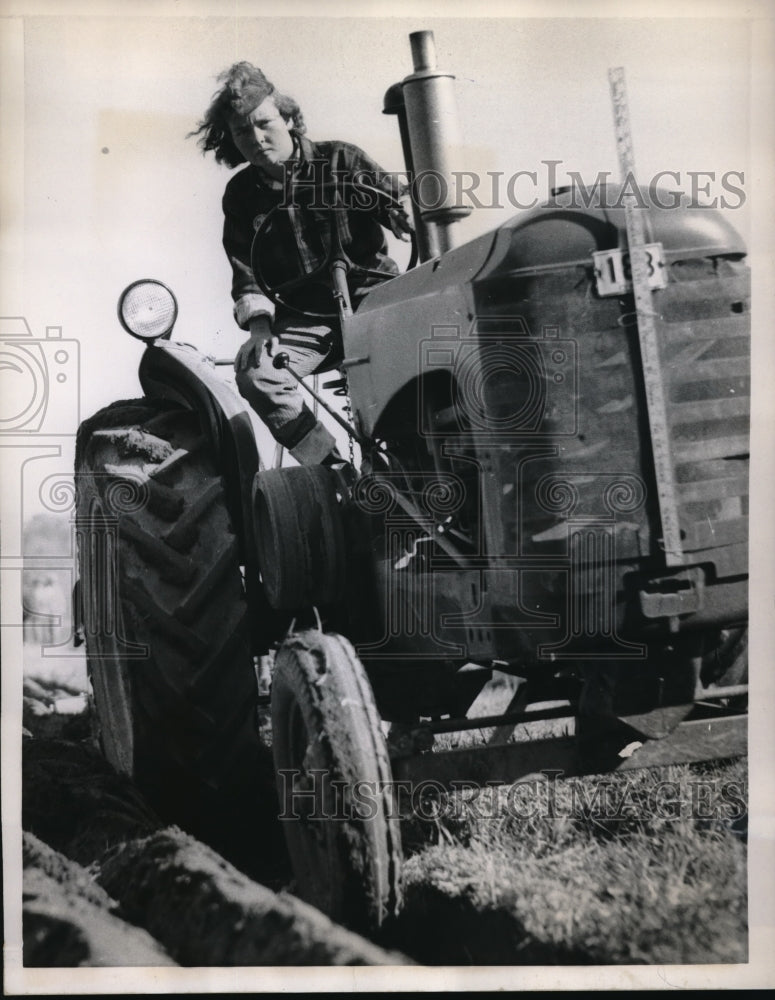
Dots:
{"x": 706, "y": 360}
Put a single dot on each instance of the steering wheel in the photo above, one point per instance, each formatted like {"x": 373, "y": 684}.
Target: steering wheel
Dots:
{"x": 321, "y": 275}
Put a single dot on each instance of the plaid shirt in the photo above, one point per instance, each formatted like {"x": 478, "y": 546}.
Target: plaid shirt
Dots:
{"x": 297, "y": 239}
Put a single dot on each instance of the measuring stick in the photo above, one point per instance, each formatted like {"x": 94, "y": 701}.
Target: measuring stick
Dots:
{"x": 647, "y": 330}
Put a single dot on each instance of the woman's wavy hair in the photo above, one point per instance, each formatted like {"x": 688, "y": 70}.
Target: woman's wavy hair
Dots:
{"x": 243, "y": 87}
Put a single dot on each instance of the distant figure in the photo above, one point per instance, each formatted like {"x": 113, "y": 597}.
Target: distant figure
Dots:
{"x": 43, "y": 607}
{"x": 46, "y": 603}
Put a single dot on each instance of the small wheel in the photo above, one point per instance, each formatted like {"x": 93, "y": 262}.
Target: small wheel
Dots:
{"x": 299, "y": 537}
{"x": 333, "y": 776}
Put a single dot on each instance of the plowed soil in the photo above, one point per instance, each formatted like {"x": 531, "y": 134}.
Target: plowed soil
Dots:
{"x": 107, "y": 883}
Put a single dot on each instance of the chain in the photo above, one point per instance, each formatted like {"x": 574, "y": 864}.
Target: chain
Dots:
{"x": 349, "y": 414}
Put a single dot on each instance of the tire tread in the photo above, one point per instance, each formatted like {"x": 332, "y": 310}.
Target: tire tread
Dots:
{"x": 181, "y": 595}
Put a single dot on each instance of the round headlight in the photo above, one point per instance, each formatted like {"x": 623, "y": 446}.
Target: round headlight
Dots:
{"x": 147, "y": 309}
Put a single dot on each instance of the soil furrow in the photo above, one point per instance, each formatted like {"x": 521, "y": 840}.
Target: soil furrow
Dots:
{"x": 152, "y": 895}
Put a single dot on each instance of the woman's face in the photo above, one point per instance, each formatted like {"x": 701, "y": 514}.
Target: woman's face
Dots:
{"x": 263, "y": 136}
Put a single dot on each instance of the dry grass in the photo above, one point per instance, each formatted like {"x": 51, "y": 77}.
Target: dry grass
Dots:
{"x": 646, "y": 867}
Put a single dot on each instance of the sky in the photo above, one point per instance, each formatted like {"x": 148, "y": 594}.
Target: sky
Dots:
{"x": 109, "y": 189}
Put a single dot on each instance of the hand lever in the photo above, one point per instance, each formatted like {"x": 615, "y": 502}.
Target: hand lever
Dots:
{"x": 282, "y": 360}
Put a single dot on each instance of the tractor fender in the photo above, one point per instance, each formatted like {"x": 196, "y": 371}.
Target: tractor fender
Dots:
{"x": 181, "y": 373}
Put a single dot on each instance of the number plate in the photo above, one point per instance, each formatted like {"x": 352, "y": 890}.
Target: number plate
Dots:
{"x": 612, "y": 270}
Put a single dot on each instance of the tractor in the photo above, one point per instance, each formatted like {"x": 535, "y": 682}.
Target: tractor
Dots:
{"x": 541, "y": 492}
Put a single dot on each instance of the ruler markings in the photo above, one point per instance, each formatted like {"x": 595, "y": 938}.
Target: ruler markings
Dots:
{"x": 647, "y": 330}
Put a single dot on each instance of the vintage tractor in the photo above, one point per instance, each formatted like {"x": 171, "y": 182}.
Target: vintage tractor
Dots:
{"x": 552, "y": 485}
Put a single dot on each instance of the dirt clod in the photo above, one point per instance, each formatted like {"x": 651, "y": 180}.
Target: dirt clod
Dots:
{"x": 207, "y": 913}
{"x": 191, "y": 903}
{"x": 73, "y": 800}
{"x": 39, "y": 857}
{"x": 68, "y": 920}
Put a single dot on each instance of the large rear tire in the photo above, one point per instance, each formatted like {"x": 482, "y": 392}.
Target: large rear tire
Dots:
{"x": 166, "y": 626}
{"x": 333, "y": 776}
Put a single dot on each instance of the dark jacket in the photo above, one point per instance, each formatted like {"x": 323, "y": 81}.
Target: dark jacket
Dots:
{"x": 297, "y": 238}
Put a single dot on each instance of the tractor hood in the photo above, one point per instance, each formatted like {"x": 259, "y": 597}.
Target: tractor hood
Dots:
{"x": 386, "y": 341}
{"x": 575, "y": 222}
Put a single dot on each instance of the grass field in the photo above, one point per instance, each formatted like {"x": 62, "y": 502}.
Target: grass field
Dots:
{"x": 652, "y": 871}
{"x": 647, "y": 866}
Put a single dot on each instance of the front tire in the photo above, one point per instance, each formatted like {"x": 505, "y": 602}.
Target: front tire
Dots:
{"x": 333, "y": 776}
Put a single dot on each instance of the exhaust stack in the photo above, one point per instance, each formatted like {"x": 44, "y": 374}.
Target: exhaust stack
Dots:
{"x": 427, "y": 118}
